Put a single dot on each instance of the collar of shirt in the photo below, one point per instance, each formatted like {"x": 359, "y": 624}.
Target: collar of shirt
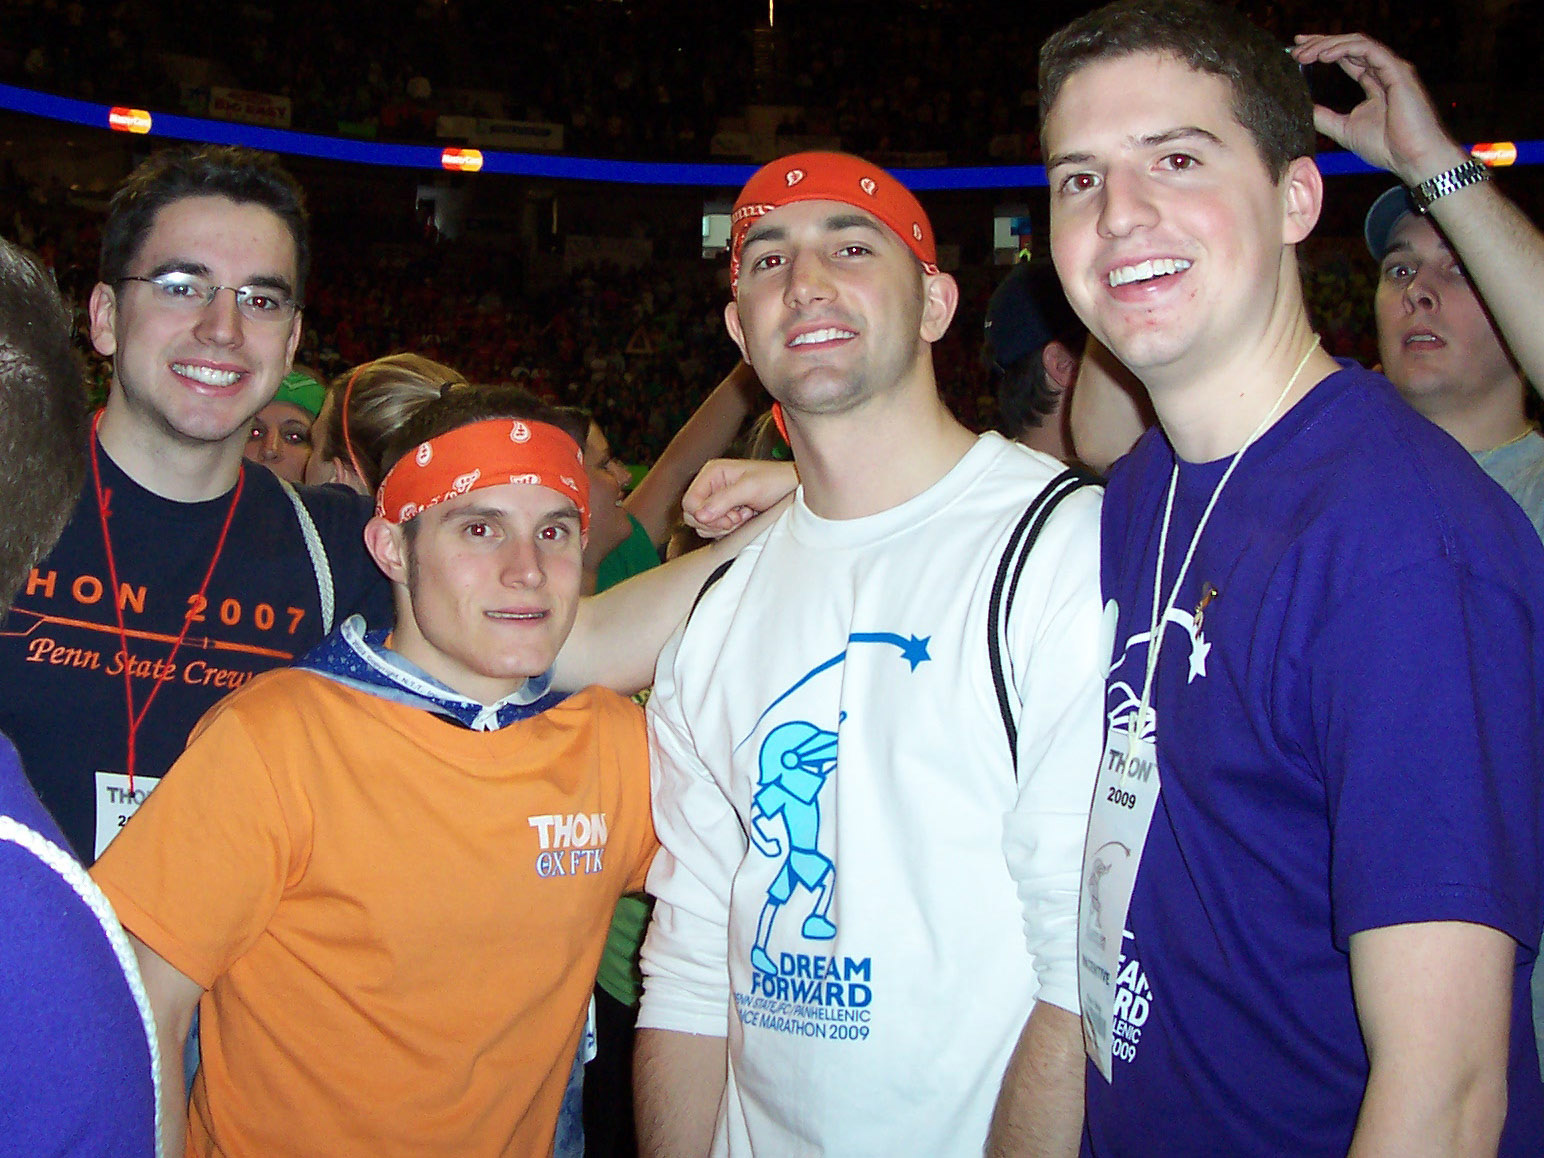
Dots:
{"x": 361, "y": 660}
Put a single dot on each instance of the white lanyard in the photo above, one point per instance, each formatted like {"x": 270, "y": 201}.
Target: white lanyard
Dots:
{"x": 1160, "y": 616}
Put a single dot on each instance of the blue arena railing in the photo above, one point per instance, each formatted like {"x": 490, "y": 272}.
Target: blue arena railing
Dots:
{"x": 555, "y": 166}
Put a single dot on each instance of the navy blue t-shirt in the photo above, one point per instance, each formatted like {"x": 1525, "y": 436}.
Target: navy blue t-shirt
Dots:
{"x": 62, "y": 659}
{"x": 1352, "y": 740}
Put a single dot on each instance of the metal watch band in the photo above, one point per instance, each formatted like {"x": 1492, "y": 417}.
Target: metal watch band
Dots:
{"x": 1448, "y": 181}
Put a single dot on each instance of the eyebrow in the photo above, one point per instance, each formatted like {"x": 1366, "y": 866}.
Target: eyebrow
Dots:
{"x": 833, "y": 224}
{"x": 565, "y": 509}
{"x": 1149, "y": 141}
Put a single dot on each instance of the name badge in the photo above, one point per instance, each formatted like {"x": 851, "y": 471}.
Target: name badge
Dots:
{"x": 115, "y": 803}
{"x": 1124, "y": 800}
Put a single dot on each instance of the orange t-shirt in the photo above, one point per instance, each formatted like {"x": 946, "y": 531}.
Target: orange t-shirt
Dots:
{"x": 397, "y": 920}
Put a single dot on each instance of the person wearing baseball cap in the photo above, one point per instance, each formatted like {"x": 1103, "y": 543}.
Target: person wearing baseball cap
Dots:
{"x": 1032, "y": 347}
{"x": 384, "y": 875}
{"x": 280, "y": 438}
{"x": 866, "y": 890}
{"x": 1460, "y": 328}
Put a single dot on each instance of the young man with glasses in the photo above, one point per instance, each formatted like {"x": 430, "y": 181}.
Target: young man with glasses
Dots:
{"x": 180, "y": 574}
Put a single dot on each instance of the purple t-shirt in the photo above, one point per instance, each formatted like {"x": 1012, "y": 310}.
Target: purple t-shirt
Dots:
{"x": 1352, "y": 740}
{"x": 74, "y": 1060}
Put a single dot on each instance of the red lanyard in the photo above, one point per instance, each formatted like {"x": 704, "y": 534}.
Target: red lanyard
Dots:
{"x": 135, "y": 720}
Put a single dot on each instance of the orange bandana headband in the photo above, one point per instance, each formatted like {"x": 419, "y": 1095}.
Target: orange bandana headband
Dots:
{"x": 485, "y": 454}
{"x": 831, "y": 177}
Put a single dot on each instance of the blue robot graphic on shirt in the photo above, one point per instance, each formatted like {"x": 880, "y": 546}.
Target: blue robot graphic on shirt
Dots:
{"x": 795, "y": 762}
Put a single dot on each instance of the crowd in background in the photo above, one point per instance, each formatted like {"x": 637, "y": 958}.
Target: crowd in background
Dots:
{"x": 661, "y": 78}
{"x": 639, "y": 348}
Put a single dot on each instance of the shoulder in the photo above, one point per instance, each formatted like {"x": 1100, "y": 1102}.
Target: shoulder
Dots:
{"x": 19, "y": 800}
{"x": 598, "y": 707}
{"x": 258, "y": 705}
{"x": 1389, "y": 476}
{"x": 1019, "y": 480}
{"x": 336, "y": 510}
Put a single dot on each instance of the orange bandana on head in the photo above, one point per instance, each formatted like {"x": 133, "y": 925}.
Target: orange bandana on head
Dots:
{"x": 831, "y": 177}
{"x": 485, "y": 454}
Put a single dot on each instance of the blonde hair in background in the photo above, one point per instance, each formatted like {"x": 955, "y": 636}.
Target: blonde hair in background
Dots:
{"x": 369, "y": 403}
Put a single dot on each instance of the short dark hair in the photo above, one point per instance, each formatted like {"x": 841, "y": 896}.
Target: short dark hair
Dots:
{"x": 576, "y": 422}
{"x": 242, "y": 175}
{"x": 1270, "y": 96}
{"x": 42, "y": 417}
{"x": 1029, "y": 308}
{"x": 1026, "y": 395}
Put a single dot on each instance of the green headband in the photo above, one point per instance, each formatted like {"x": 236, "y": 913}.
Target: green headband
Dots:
{"x": 302, "y": 390}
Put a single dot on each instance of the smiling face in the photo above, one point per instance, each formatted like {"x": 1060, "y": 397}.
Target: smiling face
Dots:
{"x": 1166, "y": 227}
{"x": 832, "y": 308}
{"x": 196, "y": 376}
{"x": 487, "y": 585}
{"x": 279, "y": 437}
{"x": 1437, "y": 343}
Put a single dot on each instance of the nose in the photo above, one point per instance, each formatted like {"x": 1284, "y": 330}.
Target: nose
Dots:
{"x": 619, "y": 474}
{"x": 273, "y": 444}
{"x": 1420, "y": 294}
{"x": 522, "y": 563}
{"x": 219, "y": 322}
{"x": 808, "y": 279}
{"x": 1125, "y": 205}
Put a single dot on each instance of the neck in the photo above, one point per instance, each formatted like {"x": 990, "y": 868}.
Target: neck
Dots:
{"x": 181, "y": 470}
{"x": 1050, "y": 437}
{"x": 876, "y": 456}
{"x": 410, "y": 644}
{"x": 1210, "y": 413}
{"x": 1480, "y": 425}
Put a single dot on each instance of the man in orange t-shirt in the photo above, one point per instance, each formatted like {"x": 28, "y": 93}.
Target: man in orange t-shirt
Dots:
{"x": 385, "y": 875}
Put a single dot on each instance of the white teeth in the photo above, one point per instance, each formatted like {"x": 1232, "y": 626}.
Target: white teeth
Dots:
{"x": 207, "y": 374}
{"x": 1145, "y": 271}
{"x": 827, "y": 335}
{"x": 1421, "y": 338}
{"x": 516, "y": 615}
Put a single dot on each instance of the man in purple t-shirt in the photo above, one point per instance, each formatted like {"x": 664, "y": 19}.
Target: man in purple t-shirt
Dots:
{"x": 1320, "y": 791}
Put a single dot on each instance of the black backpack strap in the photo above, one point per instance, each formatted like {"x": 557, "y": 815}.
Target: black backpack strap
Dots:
{"x": 1006, "y": 584}
{"x": 718, "y": 573}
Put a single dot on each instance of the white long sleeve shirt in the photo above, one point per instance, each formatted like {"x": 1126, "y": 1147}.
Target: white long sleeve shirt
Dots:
{"x": 857, "y": 886}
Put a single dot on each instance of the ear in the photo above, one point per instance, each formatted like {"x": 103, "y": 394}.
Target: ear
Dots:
{"x": 1303, "y": 198}
{"x": 102, "y": 312}
{"x": 1061, "y": 364}
{"x": 387, "y": 544}
{"x": 294, "y": 341}
{"x": 940, "y": 298}
{"x": 732, "y": 324}
{"x": 344, "y": 473}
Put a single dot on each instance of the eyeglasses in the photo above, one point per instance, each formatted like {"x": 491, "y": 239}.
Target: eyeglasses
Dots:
{"x": 188, "y": 291}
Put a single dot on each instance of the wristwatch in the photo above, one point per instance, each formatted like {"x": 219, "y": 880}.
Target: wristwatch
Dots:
{"x": 1471, "y": 172}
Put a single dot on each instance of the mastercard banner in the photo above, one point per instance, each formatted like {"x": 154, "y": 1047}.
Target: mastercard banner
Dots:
{"x": 128, "y": 120}
{"x": 462, "y": 160}
{"x": 1495, "y": 153}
